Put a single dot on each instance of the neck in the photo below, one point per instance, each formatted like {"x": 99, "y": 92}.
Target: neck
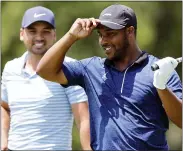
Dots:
{"x": 32, "y": 62}
{"x": 130, "y": 57}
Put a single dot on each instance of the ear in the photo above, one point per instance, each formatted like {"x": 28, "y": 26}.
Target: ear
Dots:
{"x": 130, "y": 31}
{"x": 21, "y": 38}
{"x": 55, "y": 35}
{"x": 21, "y": 34}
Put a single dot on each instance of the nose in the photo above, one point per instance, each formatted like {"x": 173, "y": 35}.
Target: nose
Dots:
{"x": 39, "y": 36}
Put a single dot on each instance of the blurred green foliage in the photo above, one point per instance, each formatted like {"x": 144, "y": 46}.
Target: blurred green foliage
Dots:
{"x": 159, "y": 33}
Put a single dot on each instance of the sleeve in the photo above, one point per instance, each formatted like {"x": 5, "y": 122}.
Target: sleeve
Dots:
{"x": 76, "y": 94}
{"x": 74, "y": 72}
{"x": 175, "y": 85}
{"x": 4, "y": 94}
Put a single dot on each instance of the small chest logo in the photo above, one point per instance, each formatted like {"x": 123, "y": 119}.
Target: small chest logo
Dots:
{"x": 104, "y": 77}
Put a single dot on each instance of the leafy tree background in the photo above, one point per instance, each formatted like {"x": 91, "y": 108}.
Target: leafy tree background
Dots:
{"x": 159, "y": 33}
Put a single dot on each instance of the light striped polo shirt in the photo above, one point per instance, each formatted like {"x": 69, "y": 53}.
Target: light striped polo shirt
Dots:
{"x": 41, "y": 115}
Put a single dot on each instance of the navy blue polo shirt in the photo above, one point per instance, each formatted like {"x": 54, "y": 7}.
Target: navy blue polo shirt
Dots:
{"x": 126, "y": 112}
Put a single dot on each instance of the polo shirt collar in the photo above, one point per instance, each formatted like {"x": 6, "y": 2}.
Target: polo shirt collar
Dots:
{"x": 142, "y": 57}
{"x": 22, "y": 61}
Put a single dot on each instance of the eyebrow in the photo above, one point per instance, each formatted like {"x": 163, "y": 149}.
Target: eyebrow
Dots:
{"x": 108, "y": 30}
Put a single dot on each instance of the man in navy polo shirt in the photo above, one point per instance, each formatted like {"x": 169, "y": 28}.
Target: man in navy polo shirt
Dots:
{"x": 129, "y": 103}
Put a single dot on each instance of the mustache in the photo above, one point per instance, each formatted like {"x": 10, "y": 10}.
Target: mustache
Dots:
{"x": 39, "y": 41}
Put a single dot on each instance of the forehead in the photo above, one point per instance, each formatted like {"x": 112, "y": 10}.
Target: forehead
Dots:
{"x": 40, "y": 24}
{"x": 103, "y": 28}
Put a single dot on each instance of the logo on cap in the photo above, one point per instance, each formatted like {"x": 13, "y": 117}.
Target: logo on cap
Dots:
{"x": 38, "y": 15}
{"x": 107, "y": 14}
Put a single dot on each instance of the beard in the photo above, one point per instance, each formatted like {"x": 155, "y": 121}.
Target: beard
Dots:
{"x": 120, "y": 53}
{"x": 38, "y": 51}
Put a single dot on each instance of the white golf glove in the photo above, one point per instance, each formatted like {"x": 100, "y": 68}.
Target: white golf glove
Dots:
{"x": 166, "y": 68}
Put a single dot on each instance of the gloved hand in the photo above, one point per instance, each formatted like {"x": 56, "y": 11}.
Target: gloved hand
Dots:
{"x": 166, "y": 68}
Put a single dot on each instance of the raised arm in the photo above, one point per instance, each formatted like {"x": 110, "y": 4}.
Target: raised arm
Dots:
{"x": 171, "y": 103}
{"x": 50, "y": 66}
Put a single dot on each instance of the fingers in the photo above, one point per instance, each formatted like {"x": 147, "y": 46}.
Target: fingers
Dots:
{"x": 172, "y": 61}
{"x": 95, "y": 22}
{"x": 167, "y": 63}
{"x": 88, "y": 23}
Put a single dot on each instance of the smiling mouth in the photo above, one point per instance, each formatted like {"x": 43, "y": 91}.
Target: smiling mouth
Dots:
{"x": 107, "y": 49}
{"x": 39, "y": 45}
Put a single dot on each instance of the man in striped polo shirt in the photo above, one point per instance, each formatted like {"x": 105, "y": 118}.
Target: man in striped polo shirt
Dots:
{"x": 36, "y": 113}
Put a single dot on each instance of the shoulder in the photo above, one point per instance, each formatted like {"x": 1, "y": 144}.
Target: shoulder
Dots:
{"x": 10, "y": 68}
{"x": 152, "y": 58}
{"x": 149, "y": 60}
{"x": 12, "y": 64}
{"x": 92, "y": 60}
{"x": 15, "y": 64}
{"x": 84, "y": 62}
{"x": 69, "y": 59}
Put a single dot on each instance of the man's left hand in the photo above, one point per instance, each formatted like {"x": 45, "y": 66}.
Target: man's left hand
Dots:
{"x": 166, "y": 68}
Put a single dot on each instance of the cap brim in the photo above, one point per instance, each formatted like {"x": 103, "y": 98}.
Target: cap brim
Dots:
{"x": 111, "y": 25}
{"x": 39, "y": 20}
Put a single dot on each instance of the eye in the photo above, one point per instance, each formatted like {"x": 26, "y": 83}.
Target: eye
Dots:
{"x": 111, "y": 34}
{"x": 32, "y": 31}
{"x": 47, "y": 31}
